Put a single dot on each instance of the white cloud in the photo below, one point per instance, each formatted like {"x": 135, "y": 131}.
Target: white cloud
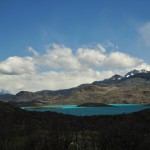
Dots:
{"x": 101, "y": 48}
{"x": 145, "y": 33}
{"x": 35, "y": 53}
{"x": 91, "y": 57}
{"x": 17, "y": 65}
{"x": 59, "y": 57}
{"x": 143, "y": 66}
{"x": 110, "y": 45}
{"x": 121, "y": 60}
{"x": 64, "y": 68}
{"x": 50, "y": 80}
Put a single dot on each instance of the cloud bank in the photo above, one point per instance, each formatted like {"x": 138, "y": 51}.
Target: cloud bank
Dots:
{"x": 61, "y": 67}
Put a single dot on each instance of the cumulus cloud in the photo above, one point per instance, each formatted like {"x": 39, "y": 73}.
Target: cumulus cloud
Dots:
{"x": 17, "y": 65}
{"x": 51, "y": 80}
{"x": 120, "y": 60}
{"x": 145, "y": 33}
{"x": 90, "y": 57}
{"x": 63, "y": 58}
{"x": 143, "y": 66}
{"x": 59, "y": 57}
{"x": 61, "y": 67}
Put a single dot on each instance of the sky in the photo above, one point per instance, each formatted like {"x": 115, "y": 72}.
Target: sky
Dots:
{"x": 58, "y": 44}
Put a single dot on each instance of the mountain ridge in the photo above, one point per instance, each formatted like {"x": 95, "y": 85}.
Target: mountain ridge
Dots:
{"x": 4, "y": 92}
{"x": 117, "y": 89}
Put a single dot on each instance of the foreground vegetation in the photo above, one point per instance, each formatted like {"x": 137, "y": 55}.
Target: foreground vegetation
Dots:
{"x": 22, "y": 130}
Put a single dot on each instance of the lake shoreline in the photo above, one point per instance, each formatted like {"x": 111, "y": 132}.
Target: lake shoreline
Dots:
{"x": 114, "y": 109}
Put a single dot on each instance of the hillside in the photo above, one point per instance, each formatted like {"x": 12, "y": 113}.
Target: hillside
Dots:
{"x": 22, "y": 130}
{"x": 134, "y": 87}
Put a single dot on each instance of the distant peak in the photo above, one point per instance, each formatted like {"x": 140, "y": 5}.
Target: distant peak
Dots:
{"x": 134, "y": 72}
{"x": 22, "y": 93}
{"x": 131, "y": 73}
{"x": 4, "y": 92}
{"x": 116, "y": 77}
{"x": 143, "y": 71}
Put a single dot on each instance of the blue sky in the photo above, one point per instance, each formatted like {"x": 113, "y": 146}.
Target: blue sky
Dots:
{"x": 29, "y": 26}
{"x": 72, "y": 23}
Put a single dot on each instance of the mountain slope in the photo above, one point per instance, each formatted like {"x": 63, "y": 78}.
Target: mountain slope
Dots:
{"x": 134, "y": 72}
{"x": 117, "y": 89}
{"x": 118, "y": 80}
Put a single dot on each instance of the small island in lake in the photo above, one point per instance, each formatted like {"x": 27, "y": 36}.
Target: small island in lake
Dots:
{"x": 94, "y": 105}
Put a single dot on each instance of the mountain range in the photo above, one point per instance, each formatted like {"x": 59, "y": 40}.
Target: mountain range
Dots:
{"x": 134, "y": 87}
{"x": 4, "y": 92}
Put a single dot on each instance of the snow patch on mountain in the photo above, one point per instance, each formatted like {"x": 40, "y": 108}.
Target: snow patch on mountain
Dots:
{"x": 116, "y": 77}
{"x": 134, "y": 72}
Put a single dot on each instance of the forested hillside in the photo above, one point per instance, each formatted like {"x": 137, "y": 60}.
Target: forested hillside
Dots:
{"x": 22, "y": 130}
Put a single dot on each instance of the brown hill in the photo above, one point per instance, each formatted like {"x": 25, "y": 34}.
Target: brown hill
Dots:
{"x": 134, "y": 89}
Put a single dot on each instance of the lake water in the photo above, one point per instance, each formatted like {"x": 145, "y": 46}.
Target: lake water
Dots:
{"x": 89, "y": 111}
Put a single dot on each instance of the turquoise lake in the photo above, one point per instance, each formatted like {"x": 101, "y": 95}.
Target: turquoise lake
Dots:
{"x": 89, "y": 111}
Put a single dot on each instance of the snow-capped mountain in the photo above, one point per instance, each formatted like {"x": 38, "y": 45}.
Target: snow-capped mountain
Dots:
{"x": 144, "y": 71}
{"x": 116, "y": 77}
{"x": 131, "y": 73}
{"x": 134, "y": 72}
